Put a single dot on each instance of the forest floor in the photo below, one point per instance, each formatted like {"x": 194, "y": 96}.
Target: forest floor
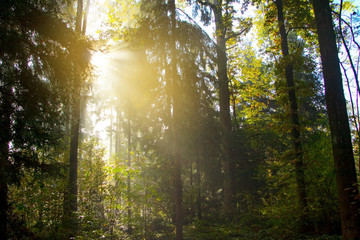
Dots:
{"x": 204, "y": 232}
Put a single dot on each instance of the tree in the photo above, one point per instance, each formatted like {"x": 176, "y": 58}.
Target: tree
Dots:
{"x": 38, "y": 51}
{"x": 92, "y": 189}
{"x": 224, "y": 102}
{"x": 224, "y": 12}
{"x": 181, "y": 102}
{"x": 348, "y": 19}
{"x": 294, "y": 115}
{"x": 347, "y": 187}
{"x": 129, "y": 150}
{"x": 71, "y": 194}
{"x": 175, "y": 99}
{"x": 277, "y": 165}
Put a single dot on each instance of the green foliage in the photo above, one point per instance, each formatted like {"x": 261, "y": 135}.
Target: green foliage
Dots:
{"x": 37, "y": 62}
{"x": 36, "y": 204}
{"x": 38, "y": 56}
{"x": 259, "y": 97}
{"x": 207, "y": 231}
{"x": 43, "y": 62}
{"x": 92, "y": 189}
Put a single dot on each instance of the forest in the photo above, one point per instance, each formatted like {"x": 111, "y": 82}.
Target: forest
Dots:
{"x": 186, "y": 119}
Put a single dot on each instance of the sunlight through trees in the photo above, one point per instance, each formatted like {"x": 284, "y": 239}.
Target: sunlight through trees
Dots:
{"x": 164, "y": 119}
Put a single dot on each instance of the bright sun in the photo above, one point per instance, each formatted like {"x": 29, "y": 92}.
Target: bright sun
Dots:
{"x": 101, "y": 62}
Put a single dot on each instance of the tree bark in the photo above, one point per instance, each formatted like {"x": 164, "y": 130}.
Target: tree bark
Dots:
{"x": 224, "y": 102}
{"x": 111, "y": 131}
{"x": 347, "y": 187}
{"x": 179, "y": 215}
{"x": 117, "y": 133}
{"x": 5, "y": 137}
{"x": 129, "y": 171}
{"x": 198, "y": 186}
{"x": 79, "y": 13}
{"x": 84, "y": 25}
{"x": 70, "y": 198}
{"x": 294, "y": 115}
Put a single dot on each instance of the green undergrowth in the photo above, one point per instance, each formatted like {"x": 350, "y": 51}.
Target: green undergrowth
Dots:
{"x": 206, "y": 231}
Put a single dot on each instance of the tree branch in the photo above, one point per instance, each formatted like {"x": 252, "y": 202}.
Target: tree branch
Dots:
{"x": 294, "y": 28}
{"x": 203, "y": 32}
{"x": 348, "y": 50}
{"x": 237, "y": 34}
{"x": 204, "y": 3}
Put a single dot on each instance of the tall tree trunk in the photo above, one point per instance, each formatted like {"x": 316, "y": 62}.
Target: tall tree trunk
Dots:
{"x": 179, "y": 215}
{"x": 84, "y": 25}
{"x": 356, "y": 77}
{"x": 3, "y": 190}
{"x": 198, "y": 186}
{"x": 70, "y": 198}
{"x": 224, "y": 102}
{"x": 294, "y": 116}
{"x": 179, "y": 218}
{"x": 346, "y": 181}
{"x": 111, "y": 131}
{"x": 192, "y": 208}
{"x": 79, "y": 13}
{"x": 5, "y": 137}
{"x": 129, "y": 171}
{"x": 117, "y": 132}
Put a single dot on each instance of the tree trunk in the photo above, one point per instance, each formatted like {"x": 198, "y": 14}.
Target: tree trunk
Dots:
{"x": 179, "y": 218}
{"x": 129, "y": 171}
{"x": 5, "y": 137}
{"x": 70, "y": 198}
{"x": 198, "y": 186}
{"x": 79, "y": 13}
{"x": 294, "y": 116}
{"x": 84, "y": 25}
{"x": 111, "y": 131}
{"x": 179, "y": 215}
{"x": 346, "y": 181}
{"x": 3, "y": 192}
{"x": 224, "y": 102}
{"x": 117, "y": 133}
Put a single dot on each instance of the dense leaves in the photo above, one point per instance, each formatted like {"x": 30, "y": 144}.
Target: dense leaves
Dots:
{"x": 38, "y": 58}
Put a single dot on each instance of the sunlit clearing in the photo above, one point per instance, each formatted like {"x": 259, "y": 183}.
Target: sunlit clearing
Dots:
{"x": 109, "y": 71}
{"x": 101, "y": 89}
{"x": 124, "y": 74}
{"x": 101, "y": 62}
{"x": 122, "y": 77}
